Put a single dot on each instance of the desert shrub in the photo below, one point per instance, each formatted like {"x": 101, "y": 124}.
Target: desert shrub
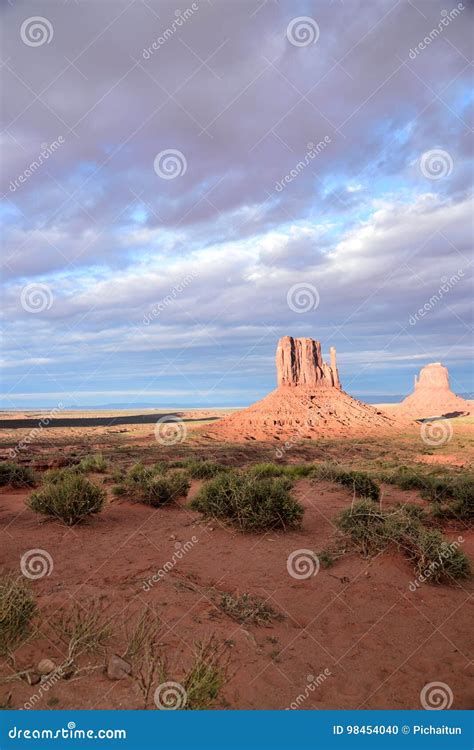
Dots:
{"x": 206, "y": 676}
{"x": 436, "y": 558}
{"x": 250, "y": 503}
{"x": 52, "y": 476}
{"x": 118, "y": 490}
{"x": 204, "y": 469}
{"x": 95, "y": 462}
{"x": 292, "y": 471}
{"x": 17, "y": 608}
{"x": 84, "y": 629}
{"x": 365, "y": 524}
{"x": 452, "y": 497}
{"x": 407, "y": 478}
{"x": 161, "y": 490}
{"x": 146, "y": 485}
{"x": 360, "y": 483}
{"x": 372, "y": 530}
{"x": 71, "y": 499}
{"x": 266, "y": 470}
{"x": 247, "y": 609}
{"x": 16, "y": 475}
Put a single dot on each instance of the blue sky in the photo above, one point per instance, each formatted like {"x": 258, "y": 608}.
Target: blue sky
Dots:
{"x": 151, "y": 257}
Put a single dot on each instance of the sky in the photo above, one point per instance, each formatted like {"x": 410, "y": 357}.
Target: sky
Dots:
{"x": 183, "y": 185}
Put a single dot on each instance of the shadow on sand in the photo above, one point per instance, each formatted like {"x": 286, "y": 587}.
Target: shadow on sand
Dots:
{"x": 47, "y": 422}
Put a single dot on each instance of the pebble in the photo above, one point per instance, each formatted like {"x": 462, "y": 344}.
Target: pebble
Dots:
{"x": 46, "y": 666}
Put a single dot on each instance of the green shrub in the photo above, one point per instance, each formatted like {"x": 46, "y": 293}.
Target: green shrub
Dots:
{"x": 204, "y": 469}
{"x": 249, "y": 503}
{"x": 360, "y": 483}
{"x": 146, "y": 485}
{"x": 161, "y": 490}
{"x": 71, "y": 498}
{"x": 52, "y": 476}
{"x": 266, "y": 470}
{"x": 452, "y": 498}
{"x": 16, "y": 475}
{"x": 407, "y": 478}
{"x": 436, "y": 558}
{"x": 94, "y": 462}
{"x": 292, "y": 471}
{"x": 372, "y": 530}
{"x": 17, "y": 608}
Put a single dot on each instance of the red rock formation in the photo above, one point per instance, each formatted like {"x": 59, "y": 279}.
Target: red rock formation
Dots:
{"x": 432, "y": 395}
{"x": 308, "y": 402}
{"x": 299, "y": 362}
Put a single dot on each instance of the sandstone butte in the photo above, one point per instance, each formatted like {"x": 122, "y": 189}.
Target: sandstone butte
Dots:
{"x": 432, "y": 396}
{"x": 308, "y": 402}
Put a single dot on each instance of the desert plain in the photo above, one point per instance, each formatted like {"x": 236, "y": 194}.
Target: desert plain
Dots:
{"x": 275, "y": 618}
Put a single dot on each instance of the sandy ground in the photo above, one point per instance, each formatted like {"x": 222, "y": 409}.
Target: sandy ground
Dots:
{"x": 378, "y": 641}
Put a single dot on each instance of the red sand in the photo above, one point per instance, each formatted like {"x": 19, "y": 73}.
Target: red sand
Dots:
{"x": 358, "y": 620}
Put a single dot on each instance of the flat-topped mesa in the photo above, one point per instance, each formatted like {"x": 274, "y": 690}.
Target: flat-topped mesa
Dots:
{"x": 300, "y": 362}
